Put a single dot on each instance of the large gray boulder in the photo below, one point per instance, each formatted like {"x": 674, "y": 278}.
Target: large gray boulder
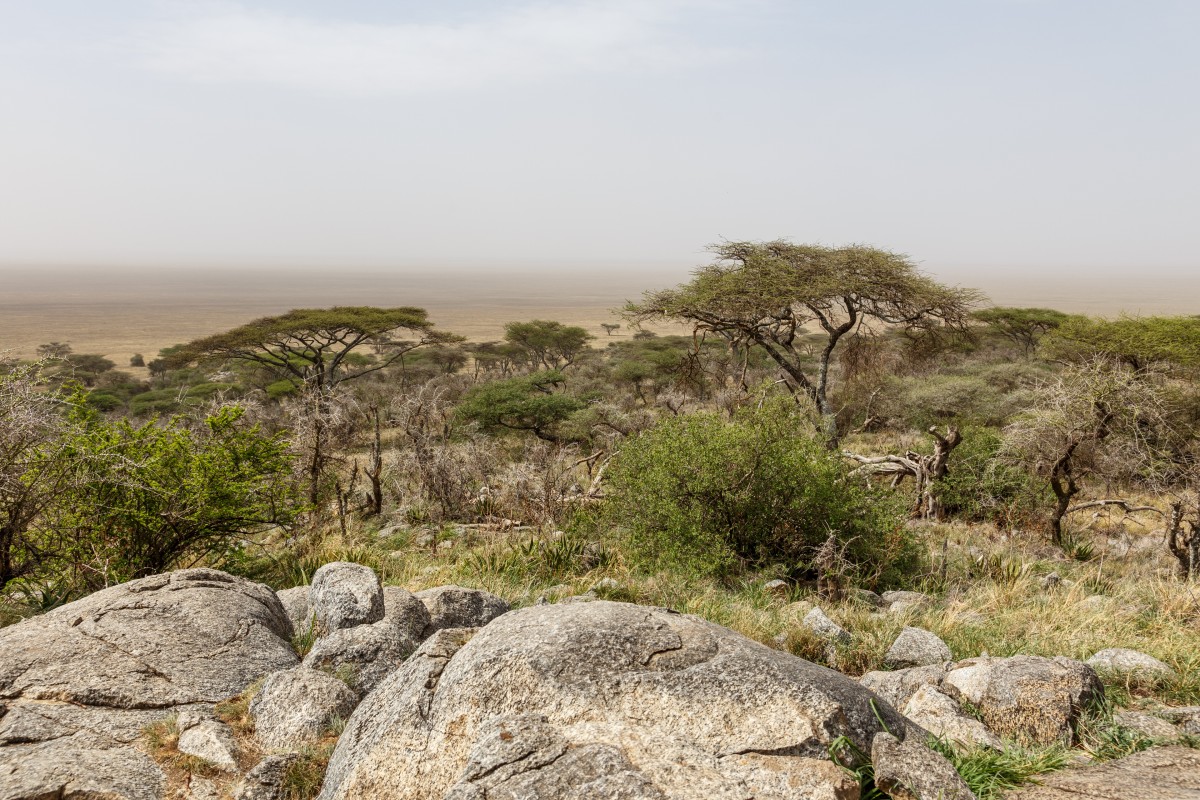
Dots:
{"x": 1031, "y": 699}
{"x": 603, "y": 699}
{"x": 343, "y": 595}
{"x": 1161, "y": 773}
{"x": 79, "y": 684}
{"x": 191, "y": 636}
{"x": 364, "y": 655}
{"x": 299, "y": 705}
{"x": 457, "y": 607}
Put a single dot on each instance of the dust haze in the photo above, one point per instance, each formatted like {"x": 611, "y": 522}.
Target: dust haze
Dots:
{"x": 117, "y": 312}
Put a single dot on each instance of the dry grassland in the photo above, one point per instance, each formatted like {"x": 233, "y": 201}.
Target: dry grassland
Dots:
{"x": 119, "y": 312}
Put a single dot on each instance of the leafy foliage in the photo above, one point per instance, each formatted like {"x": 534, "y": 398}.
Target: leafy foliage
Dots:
{"x": 712, "y": 496}
{"x": 149, "y": 498}
{"x": 528, "y": 403}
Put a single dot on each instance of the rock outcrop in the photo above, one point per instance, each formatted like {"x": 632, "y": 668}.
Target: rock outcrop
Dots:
{"x": 298, "y": 705}
{"x": 456, "y": 607}
{"x": 603, "y": 699}
{"x": 1029, "y": 699}
{"x": 78, "y": 684}
{"x": 1164, "y": 773}
{"x": 343, "y": 595}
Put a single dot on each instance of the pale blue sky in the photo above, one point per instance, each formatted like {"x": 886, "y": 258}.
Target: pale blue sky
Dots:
{"x": 972, "y": 134}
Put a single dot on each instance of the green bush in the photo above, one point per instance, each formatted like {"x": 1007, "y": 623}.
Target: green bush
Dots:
{"x": 979, "y": 487}
{"x": 713, "y": 497}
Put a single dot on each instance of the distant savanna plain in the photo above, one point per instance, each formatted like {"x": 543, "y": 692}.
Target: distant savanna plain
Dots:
{"x": 119, "y": 311}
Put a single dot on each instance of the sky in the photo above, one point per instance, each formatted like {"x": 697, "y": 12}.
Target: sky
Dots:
{"x": 977, "y": 136}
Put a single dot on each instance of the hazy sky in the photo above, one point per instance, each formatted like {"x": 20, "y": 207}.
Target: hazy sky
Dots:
{"x": 971, "y": 134}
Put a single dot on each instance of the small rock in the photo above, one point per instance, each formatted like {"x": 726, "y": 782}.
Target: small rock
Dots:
{"x": 456, "y": 607}
{"x": 343, "y": 595}
{"x": 898, "y": 687}
{"x": 909, "y": 770}
{"x": 211, "y": 740}
{"x": 1186, "y": 717}
{"x": 295, "y": 603}
{"x": 941, "y": 715}
{"x": 370, "y": 652}
{"x": 297, "y": 705}
{"x": 199, "y": 788}
{"x": 266, "y": 780}
{"x": 896, "y": 596}
{"x": 901, "y": 602}
{"x": 798, "y": 608}
{"x": 868, "y": 598}
{"x": 1093, "y": 602}
{"x": 916, "y": 647}
{"x": 606, "y": 585}
{"x": 776, "y": 587}
{"x": 817, "y": 622}
{"x": 1051, "y": 581}
{"x": 1122, "y": 661}
{"x": 1146, "y": 724}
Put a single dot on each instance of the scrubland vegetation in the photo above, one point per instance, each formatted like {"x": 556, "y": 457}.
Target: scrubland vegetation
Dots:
{"x": 838, "y": 422}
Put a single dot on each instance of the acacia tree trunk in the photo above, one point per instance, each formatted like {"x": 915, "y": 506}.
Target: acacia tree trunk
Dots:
{"x": 1062, "y": 482}
{"x": 925, "y": 470}
{"x": 1183, "y": 540}
{"x": 374, "y": 469}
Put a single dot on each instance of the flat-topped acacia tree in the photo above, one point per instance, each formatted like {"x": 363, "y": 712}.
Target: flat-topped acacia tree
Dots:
{"x": 766, "y": 293}
{"x": 312, "y": 346}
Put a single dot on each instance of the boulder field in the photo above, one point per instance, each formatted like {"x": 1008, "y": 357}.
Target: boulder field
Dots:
{"x": 449, "y": 695}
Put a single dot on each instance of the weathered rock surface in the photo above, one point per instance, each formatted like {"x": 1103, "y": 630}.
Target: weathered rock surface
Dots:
{"x": 295, "y": 605}
{"x": 1186, "y": 717}
{"x": 456, "y": 607}
{"x": 207, "y": 738}
{"x": 908, "y": 770}
{"x": 343, "y": 595}
{"x": 941, "y": 715}
{"x": 1146, "y": 724}
{"x": 1027, "y": 698}
{"x": 299, "y": 705}
{"x": 898, "y": 686}
{"x": 78, "y": 766}
{"x": 916, "y": 647}
{"x": 191, "y": 636}
{"x": 1163, "y": 773}
{"x": 819, "y": 623}
{"x": 265, "y": 781}
{"x": 402, "y": 610}
{"x": 364, "y": 655}
{"x": 602, "y": 699}
{"x": 1125, "y": 662}
{"x": 78, "y": 684}
{"x": 899, "y": 602}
